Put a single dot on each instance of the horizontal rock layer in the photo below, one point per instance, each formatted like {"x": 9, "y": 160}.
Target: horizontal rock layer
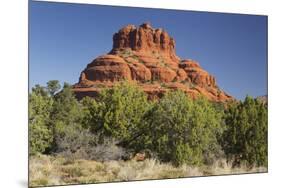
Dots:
{"x": 147, "y": 56}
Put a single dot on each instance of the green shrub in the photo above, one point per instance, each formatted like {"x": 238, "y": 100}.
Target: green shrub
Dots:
{"x": 93, "y": 114}
{"x": 182, "y": 130}
{"x": 245, "y": 139}
{"x": 66, "y": 111}
{"x": 53, "y": 87}
{"x": 118, "y": 112}
{"x": 40, "y": 132}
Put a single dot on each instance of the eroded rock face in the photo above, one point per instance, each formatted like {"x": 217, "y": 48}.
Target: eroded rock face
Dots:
{"x": 107, "y": 68}
{"x": 145, "y": 39}
{"x": 147, "y": 56}
{"x": 197, "y": 75}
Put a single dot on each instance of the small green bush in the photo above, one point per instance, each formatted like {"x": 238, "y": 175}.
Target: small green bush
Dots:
{"x": 181, "y": 130}
{"x": 245, "y": 139}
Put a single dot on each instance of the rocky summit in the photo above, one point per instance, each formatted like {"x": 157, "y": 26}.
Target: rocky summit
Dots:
{"x": 147, "y": 56}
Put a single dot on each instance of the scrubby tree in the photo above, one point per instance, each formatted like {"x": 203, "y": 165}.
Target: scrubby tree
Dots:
{"x": 93, "y": 117}
{"x": 66, "y": 112}
{"x": 53, "y": 86}
{"x": 183, "y": 130}
{"x": 245, "y": 139}
{"x": 66, "y": 108}
{"x": 40, "y": 90}
{"x": 118, "y": 112}
{"x": 40, "y": 132}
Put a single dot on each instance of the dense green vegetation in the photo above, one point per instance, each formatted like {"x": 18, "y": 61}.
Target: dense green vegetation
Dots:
{"x": 246, "y": 136}
{"x": 121, "y": 120}
{"x": 182, "y": 130}
{"x": 40, "y": 105}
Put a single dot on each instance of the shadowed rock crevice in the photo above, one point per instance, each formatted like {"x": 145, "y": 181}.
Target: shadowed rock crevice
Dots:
{"x": 147, "y": 56}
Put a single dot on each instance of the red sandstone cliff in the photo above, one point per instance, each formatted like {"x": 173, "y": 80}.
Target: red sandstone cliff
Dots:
{"x": 147, "y": 56}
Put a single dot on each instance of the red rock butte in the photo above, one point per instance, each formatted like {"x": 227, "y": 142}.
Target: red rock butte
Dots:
{"x": 147, "y": 56}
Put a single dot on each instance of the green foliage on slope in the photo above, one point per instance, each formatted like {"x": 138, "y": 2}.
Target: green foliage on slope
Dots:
{"x": 174, "y": 129}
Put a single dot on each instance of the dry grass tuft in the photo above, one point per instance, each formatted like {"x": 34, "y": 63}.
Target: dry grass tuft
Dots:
{"x": 50, "y": 170}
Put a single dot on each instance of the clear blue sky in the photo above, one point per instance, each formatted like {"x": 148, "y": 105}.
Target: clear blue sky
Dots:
{"x": 64, "y": 38}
